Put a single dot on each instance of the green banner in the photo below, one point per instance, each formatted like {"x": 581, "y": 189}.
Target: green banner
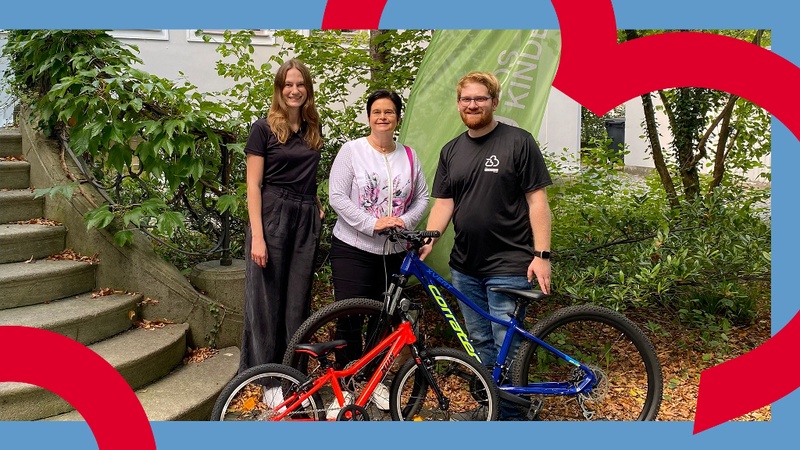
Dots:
{"x": 524, "y": 61}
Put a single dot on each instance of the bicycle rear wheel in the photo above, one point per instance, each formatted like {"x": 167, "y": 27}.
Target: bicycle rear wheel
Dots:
{"x": 254, "y": 393}
{"x": 630, "y": 380}
{"x": 354, "y": 319}
{"x": 468, "y": 389}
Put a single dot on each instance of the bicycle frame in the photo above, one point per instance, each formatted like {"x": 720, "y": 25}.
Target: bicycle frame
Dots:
{"x": 431, "y": 281}
{"x": 401, "y": 337}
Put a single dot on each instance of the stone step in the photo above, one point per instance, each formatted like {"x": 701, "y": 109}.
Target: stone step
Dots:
{"x": 187, "y": 393}
{"x": 140, "y": 355}
{"x": 41, "y": 281}
{"x": 82, "y": 317}
{"x": 21, "y": 242}
{"x": 10, "y": 142}
{"x": 16, "y": 205}
{"x": 15, "y": 174}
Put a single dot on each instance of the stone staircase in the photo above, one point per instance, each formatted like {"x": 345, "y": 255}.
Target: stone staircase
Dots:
{"x": 62, "y": 296}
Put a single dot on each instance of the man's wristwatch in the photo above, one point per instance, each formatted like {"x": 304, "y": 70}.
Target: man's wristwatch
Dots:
{"x": 542, "y": 254}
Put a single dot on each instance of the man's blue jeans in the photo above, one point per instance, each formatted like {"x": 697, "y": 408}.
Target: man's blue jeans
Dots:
{"x": 487, "y": 337}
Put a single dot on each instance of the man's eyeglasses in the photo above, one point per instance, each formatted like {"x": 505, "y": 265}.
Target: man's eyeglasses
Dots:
{"x": 480, "y": 101}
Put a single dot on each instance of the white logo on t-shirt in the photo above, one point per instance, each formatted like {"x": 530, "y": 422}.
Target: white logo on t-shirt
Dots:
{"x": 491, "y": 164}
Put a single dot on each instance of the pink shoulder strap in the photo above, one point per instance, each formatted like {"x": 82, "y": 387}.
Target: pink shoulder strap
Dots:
{"x": 411, "y": 162}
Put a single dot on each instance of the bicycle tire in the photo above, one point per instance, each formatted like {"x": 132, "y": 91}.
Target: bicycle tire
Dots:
{"x": 322, "y": 326}
{"x": 245, "y": 396}
{"x": 466, "y": 383}
{"x": 630, "y": 386}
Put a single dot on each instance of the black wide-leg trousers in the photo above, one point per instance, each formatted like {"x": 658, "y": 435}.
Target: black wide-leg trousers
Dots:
{"x": 278, "y": 296}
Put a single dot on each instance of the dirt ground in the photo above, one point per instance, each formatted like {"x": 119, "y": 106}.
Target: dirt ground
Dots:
{"x": 684, "y": 356}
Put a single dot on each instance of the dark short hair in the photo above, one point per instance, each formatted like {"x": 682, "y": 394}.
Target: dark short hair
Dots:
{"x": 385, "y": 93}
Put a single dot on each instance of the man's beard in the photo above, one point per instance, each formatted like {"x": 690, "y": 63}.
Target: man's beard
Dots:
{"x": 476, "y": 122}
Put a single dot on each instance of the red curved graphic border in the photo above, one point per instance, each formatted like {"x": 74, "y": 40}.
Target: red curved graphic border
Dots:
{"x": 82, "y": 378}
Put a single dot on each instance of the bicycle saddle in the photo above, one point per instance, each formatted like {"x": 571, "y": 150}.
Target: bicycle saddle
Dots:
{"x": 529, "y": 295}
{"x": 320, "y": 348}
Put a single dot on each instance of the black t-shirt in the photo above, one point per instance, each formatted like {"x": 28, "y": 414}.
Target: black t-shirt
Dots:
{"x": 292, "y": 165}
{"x": 487, "y": 178}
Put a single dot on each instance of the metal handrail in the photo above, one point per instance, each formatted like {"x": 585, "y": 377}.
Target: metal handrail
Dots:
{"x": 223, "y": 243}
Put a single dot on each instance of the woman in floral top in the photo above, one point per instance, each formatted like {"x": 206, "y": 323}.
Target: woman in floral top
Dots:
{"x": 375, "y": 183}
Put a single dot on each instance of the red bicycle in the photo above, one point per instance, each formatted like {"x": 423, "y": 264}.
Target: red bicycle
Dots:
{"x": 433, "y": 384}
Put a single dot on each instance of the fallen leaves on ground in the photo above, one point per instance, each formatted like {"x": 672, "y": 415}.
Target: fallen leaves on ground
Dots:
{"x": 148, "y": 301}
{"x": 199, "y": 354}
{"x": 38, "y": 221}
{"x": 71, "y": 255}
{"x": 97, "y": 293}
{"x": 683, "y": 357}
{"x": 152, "y": 324}
{"x": 12, "y": 158}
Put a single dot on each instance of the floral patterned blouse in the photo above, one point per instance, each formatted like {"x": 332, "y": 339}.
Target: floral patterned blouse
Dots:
{"x": 366, "y": 185}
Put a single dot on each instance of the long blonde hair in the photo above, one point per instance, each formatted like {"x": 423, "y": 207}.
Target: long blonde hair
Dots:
{"x": 278, "y": 117}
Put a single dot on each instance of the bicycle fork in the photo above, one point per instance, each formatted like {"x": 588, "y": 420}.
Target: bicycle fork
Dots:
{"x": 444, "y": 402}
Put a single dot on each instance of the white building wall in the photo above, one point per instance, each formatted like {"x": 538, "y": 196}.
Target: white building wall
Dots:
{"x": 638, "y": 146}
{"x": 560, "y": 132}
{"x": 178, "y": 54}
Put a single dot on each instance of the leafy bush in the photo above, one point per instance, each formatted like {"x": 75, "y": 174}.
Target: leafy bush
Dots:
{"x": 619, "y": 244}
{"x": 152, "y": 145}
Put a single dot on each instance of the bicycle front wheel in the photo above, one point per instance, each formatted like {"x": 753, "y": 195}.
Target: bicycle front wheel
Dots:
{"x": 468, "y": 391}
{"x": 256, "y": 393}
{"x": 354, "y": 320}
{"x": 629, "y": 375}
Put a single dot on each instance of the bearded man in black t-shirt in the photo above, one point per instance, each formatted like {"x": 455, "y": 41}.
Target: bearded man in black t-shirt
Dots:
{"x": 491, "y": 182}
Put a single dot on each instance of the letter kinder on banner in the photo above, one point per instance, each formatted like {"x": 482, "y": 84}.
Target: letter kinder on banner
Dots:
{"x": 524, "y": 62}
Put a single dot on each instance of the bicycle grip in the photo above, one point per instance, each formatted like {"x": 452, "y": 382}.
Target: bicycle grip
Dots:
{"x": 429, "y": 234}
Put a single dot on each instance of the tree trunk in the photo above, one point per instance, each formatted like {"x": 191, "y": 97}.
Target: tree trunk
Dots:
{"x": 378, "y": 52}
{"x": 651, "y": 128}
{"x": 684, "y": 150}
{"x": 690, "y": 176}
{"x": 723, "y": 146}
{"x": 722, "y": 143}
{"x": 655, "y": 146}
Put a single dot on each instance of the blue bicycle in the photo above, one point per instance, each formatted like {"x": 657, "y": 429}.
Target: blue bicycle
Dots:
{"x": 579, "y": 363}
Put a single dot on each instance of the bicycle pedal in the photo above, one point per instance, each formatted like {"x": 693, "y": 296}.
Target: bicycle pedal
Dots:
{"x": 535, "y": 409}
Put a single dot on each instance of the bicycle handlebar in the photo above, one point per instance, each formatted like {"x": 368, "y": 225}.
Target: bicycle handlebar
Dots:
{"x": 414, "y": 238}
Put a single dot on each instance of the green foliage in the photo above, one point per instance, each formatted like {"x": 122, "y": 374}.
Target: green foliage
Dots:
{"x": 154, "y": 145}
{"x": 64, "y": 190}
{"x": 619, "y": 244}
